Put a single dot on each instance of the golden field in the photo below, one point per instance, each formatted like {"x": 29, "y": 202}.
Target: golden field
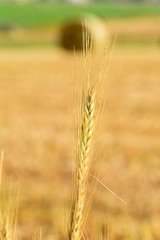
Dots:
{"x": 36, "y": 126}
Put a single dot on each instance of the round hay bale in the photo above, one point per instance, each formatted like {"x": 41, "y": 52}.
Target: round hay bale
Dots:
{"x": 83, "y": 31}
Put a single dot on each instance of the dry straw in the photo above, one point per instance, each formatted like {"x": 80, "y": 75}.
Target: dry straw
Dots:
{"x": 71, "y": 33}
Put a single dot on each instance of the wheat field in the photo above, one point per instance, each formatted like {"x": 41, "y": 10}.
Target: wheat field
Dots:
{"x": 36, "y": 126}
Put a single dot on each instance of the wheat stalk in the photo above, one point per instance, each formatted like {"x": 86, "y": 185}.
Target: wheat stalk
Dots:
{"x": 83, "y": 163}
{"x": 8, "y": 207}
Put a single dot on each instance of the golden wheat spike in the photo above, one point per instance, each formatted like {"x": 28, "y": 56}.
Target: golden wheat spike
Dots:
{"x": 83, "y": 163}
{"x": 5, "y": 233}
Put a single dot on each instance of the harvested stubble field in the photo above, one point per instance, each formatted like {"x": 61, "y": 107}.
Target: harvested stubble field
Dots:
{"x": 36, "y": 122}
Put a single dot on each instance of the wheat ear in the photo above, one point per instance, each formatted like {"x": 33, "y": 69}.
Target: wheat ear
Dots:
{"x": 83, "y": 163}
{"x": 5, "y": 233}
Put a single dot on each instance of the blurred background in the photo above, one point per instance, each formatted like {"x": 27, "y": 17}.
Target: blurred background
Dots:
{"x": 36, "y": 92}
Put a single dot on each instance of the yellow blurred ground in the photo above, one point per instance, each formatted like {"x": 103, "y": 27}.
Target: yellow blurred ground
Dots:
{"x": 36, "y": 94}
